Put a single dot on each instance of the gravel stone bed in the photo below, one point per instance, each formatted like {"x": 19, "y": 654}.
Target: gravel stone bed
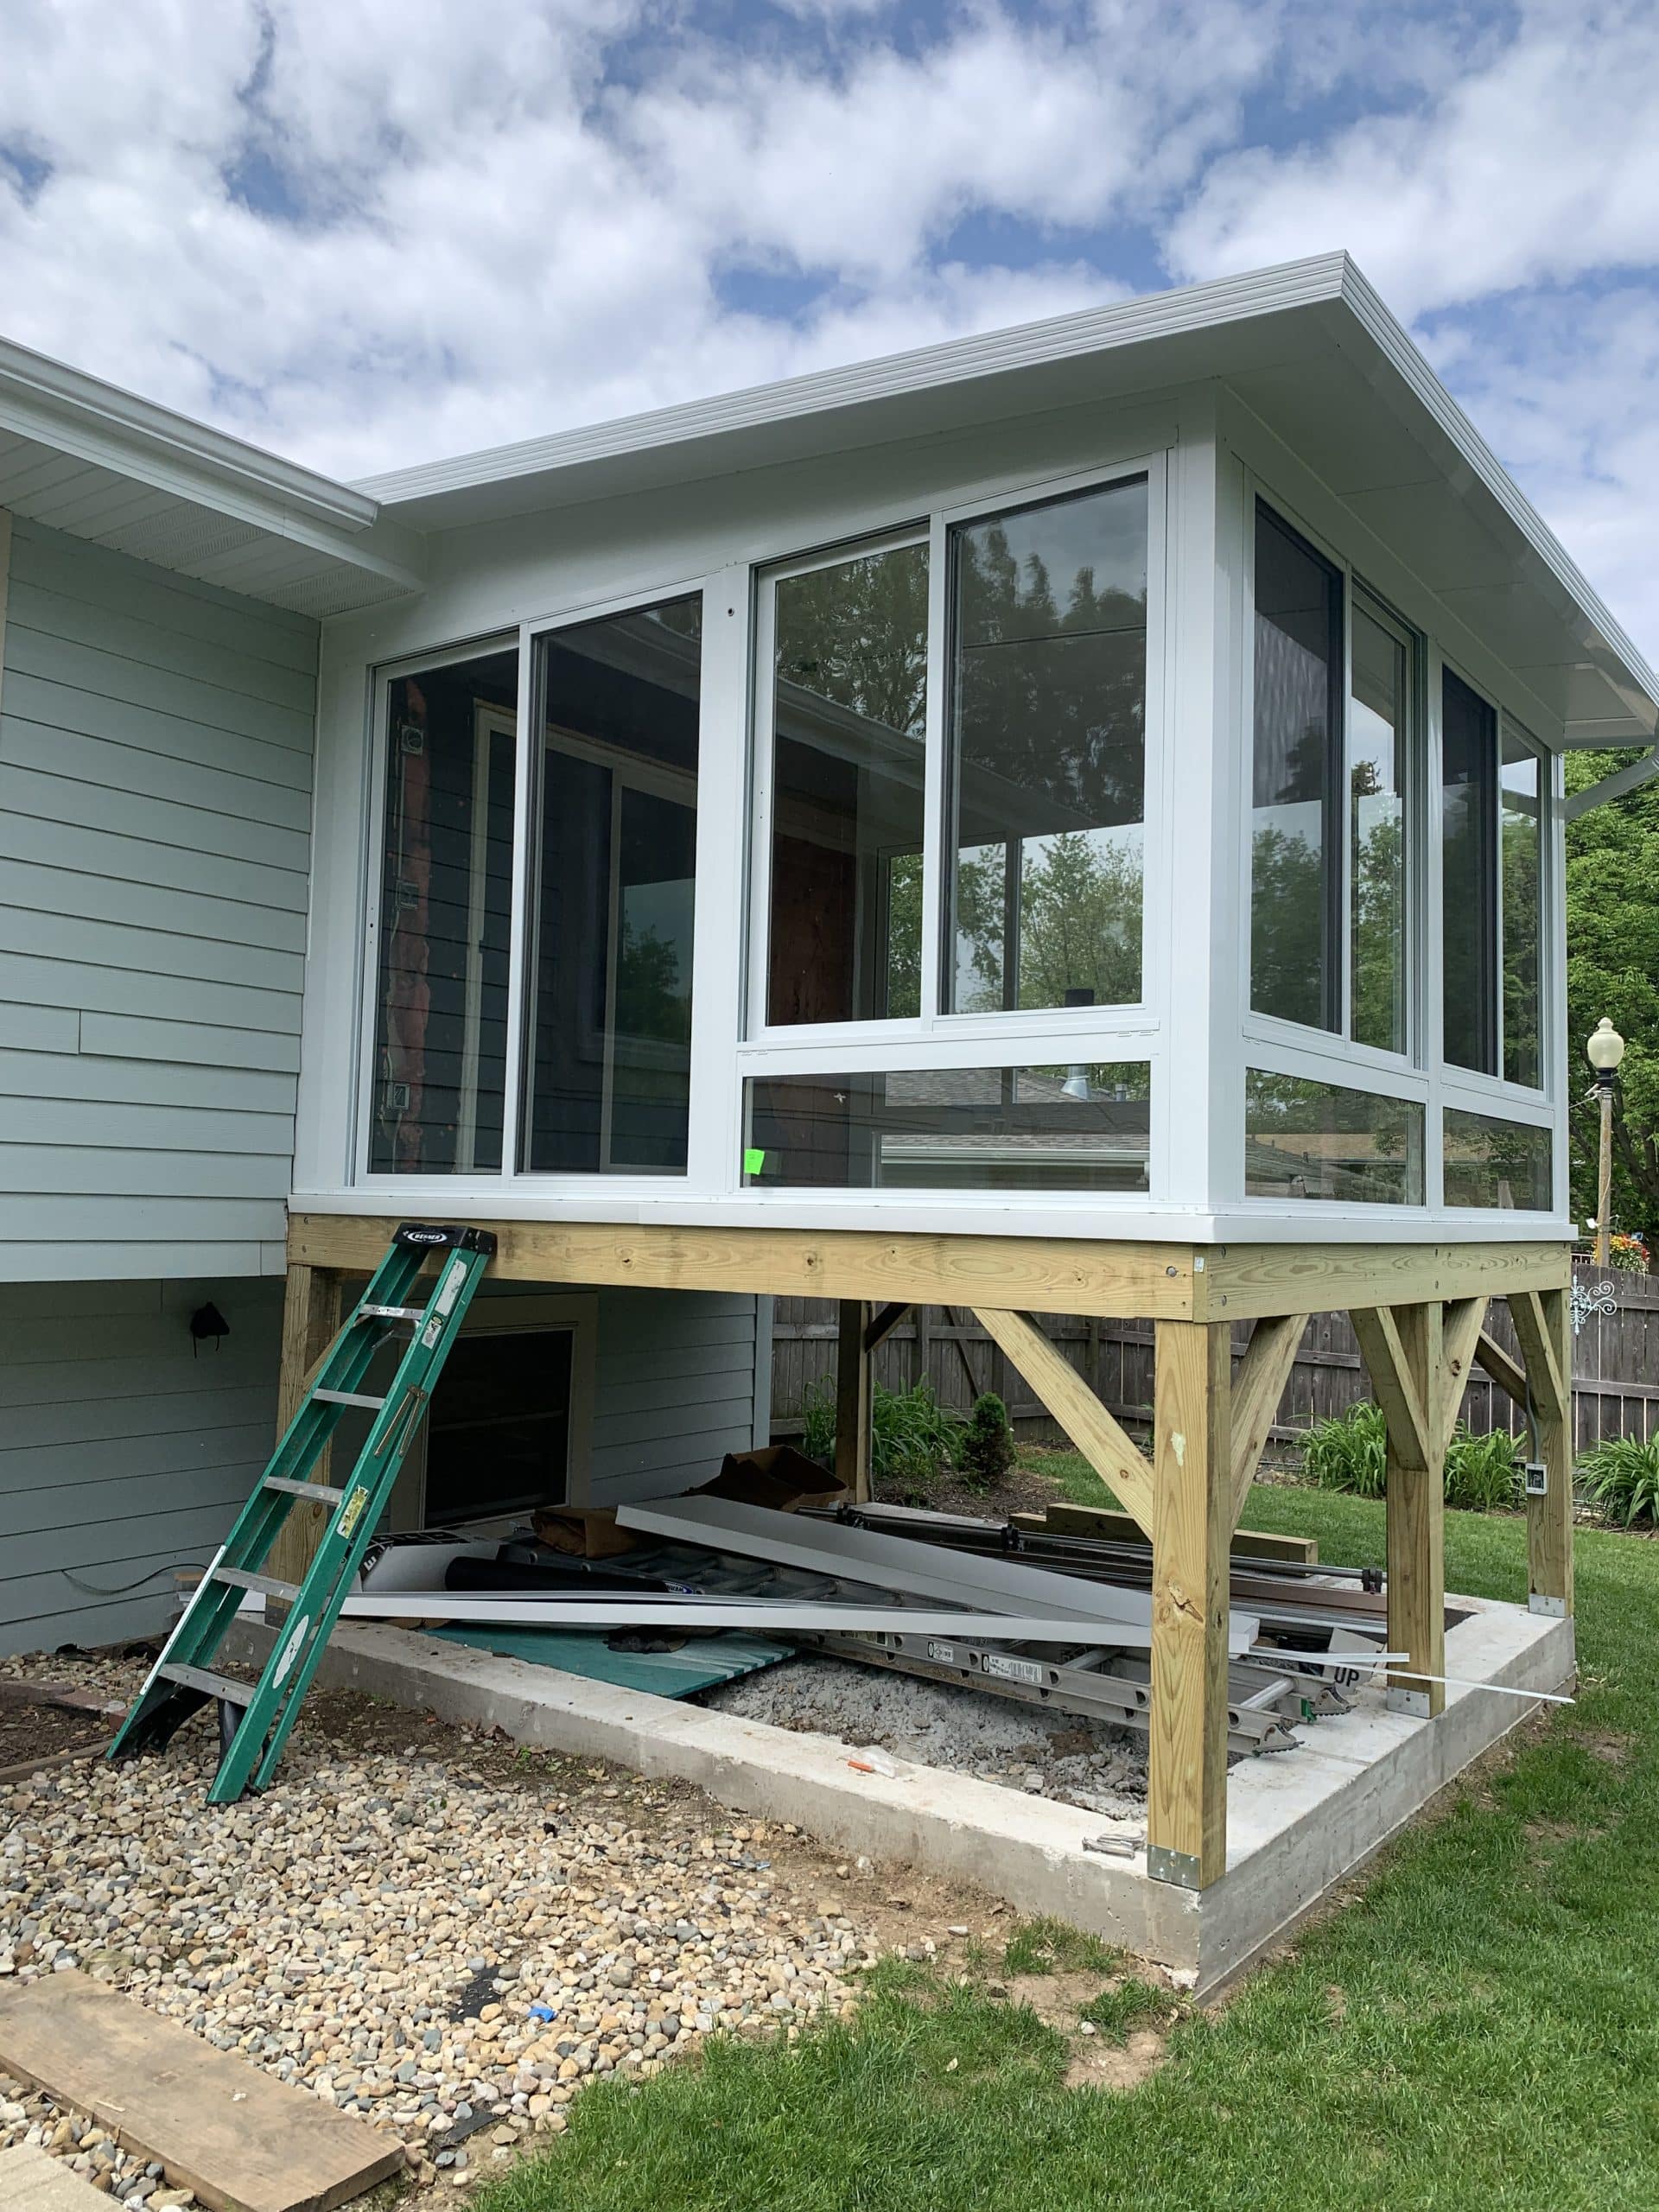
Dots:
{"x": 439, "y": 1932}
{"x": 1083, "y": 1762}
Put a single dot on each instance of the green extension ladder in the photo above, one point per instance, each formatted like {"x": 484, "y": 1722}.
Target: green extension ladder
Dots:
{"x": 254, "y": 1721}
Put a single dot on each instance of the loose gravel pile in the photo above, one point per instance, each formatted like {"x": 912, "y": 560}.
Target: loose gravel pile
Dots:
{"x": 1021, "y": 1747}
{"x": 412, "y": 1923}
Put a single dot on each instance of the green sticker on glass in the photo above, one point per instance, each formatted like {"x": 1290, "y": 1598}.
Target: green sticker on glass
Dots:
{"x": 754, "y": 1161}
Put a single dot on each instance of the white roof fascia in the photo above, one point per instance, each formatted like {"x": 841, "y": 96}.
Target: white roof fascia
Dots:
{"x": 96, "y": 423}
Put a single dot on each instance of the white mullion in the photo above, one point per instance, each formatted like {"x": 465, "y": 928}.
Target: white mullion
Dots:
{"x": 936, "y": 811}
{"x": 1346, "y": 836}
{"x": 753, "y": 1018}
{"x": 521, "y": 938}
{"x": 373, "y": 909}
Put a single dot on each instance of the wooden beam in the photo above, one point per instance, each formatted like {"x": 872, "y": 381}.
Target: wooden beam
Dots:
{"x": 1187, "y": 1789}
{"x": 1047, "y": 1275}
{"x": 1399, "y": 1388}
{"x": 1262, "y": 1375}
{"x": 1416, "y": 1521}
{"x": 1549, "y": 1518}
{"x": 1239, "y": 1282}
{"x": 853, "y": 1399}
{"x": 1113, "y": 1454}
{"x": 1509, "y": 1375}
{"x": 310, "y": 1322}
{"x": 1461, "y": 1326}
{"x": 883, "y": 1324}
{"x": 1545, "y": 1370}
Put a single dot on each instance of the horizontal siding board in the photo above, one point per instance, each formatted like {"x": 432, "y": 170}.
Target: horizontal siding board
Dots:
{"x": 77, "y": 1301}
{"x": 674, "y": 1390}
{"x": 99, "y": 1172}
{"x": 263, "y": 1101}
{"x": 160, "y": 690}
{"x": 79, "y": 1466}
{"x": 65, "y": 935}
{"x": 86, "y": 1219}
{"x": 170, "y": 998}
{"x": 57, "y": 749}
{"x": 99, "y": 577}
{"x": 96, "y": 1420}
{"x": 45, "y": 798}
{"x": 219, "y": 1490}
{"x": 185, "y": 913}
{"x": 105, "y": 855}
{"x": 189, "y": 1535}
{"x": 124, "y": 1036}
{"x": 32, "y": 702}
{"x": 35, "y": 606}
{"x": 67, "y": 1615}
{"x": 38, "y": 1028}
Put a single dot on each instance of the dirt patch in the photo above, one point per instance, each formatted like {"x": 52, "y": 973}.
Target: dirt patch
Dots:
{"x": 43, "y": 1720}
{"x": 1606, "y": 1744}
{"x": 1099, "y": 2065}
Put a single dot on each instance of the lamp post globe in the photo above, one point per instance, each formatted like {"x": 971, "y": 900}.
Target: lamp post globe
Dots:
{"x": 1604, "y": 1049}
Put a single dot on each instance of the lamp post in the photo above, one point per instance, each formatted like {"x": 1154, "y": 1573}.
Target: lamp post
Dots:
{"x": 1604, "y": 1050}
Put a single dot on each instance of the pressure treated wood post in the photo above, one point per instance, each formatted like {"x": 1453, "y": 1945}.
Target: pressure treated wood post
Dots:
{"x": 1549, "y": 1518}
{"x": 853, "y": 1397}
{"x": 1187, "y": 1798}
{"x": 1416, "y": 1518}
{"x": 310, "y": 1318}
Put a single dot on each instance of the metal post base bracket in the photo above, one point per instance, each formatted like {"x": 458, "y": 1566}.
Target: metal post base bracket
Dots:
{"x": 1414, "y": 1702}
{"x": 1553, "y": 1608}
{"x": 1178, "y": 1867}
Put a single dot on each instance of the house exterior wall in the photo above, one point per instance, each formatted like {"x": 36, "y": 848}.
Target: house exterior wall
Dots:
{"x": 155, "y": 768}
{"x": 125, "y": 1452}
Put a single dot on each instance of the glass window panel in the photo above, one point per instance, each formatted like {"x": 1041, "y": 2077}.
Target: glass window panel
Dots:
{"x": 441, "y": 992}
{"x": 609, "y": 1055}
{"x": 1521, "y": 840}
{"x": 1296, "y": 817}
{"x": 1493, "y": 1163}
{"x": 1378, "y": 707}
{"x": 1469, "y": 876}
{"x": 1305, "y": 1140}
{"x": 1048, "y": 753}
{"x": 849, "y": 694}
{"x": 1049, "y": 1128}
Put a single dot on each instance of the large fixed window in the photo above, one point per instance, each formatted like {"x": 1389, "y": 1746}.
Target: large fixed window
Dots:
{"x": 608, "y": 1027}
{"x": 1495, "y": 1163}
{"x": 1075, "y": 1127}
{"x": 1331, "y": 756}
{"x": 1492, "y": 889}
{"x": 1308, "y": 1140}
{"x": 446, "y": 878}
{"x": 952, "y": 769}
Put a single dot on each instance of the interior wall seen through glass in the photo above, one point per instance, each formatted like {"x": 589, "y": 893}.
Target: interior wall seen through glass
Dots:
{"x": 1308, "y": 1140}
{"x": 1047, "y": 753}
{"x": 1469, "y": 876}
{"x": 850, "y": 696}
{"x": 609, "y": 1064}
{"x": 440, "y": 988}
{"x": 1379, "y": 708}
{"x": 1296, "y": 823}
{"x": 1520, "y": 847}
{"x": 1028, "y": 1129}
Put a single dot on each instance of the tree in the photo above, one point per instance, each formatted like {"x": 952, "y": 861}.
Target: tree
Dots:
{"x": 1613, "y": 969}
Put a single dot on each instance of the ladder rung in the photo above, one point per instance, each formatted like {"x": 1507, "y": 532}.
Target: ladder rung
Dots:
{"x": 200, "y": 1678}
{"x": 391, "y": 1312}
{"x": 349, "y": 1398}
{"x": 325, "y": 1493}
{"x": 264, "y": 1586}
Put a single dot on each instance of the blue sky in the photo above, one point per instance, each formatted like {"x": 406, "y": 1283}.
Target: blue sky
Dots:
{"x": 368, "y": 232}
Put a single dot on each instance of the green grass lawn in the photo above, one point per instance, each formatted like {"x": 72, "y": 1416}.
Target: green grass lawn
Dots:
{"x": 1478, "y": 2029}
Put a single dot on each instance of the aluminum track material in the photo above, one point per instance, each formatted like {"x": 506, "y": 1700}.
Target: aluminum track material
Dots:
{"x": 770, "y": 1617}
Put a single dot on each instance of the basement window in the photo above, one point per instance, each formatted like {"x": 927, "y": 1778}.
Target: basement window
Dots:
{"x": 1065, "y": 1128}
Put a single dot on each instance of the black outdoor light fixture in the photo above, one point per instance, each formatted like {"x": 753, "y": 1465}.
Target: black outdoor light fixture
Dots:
{"x": 207, "y": 1326}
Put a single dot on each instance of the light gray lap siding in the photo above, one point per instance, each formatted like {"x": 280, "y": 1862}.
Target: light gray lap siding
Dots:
{"x": 674, "y": 1390}
{"x": 156, "y": 763}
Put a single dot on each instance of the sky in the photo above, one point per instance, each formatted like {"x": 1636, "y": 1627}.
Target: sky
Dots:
{"x": 367, "y": 233}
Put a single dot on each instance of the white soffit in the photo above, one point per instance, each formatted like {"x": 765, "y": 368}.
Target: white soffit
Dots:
{"x": 1309, "y": 347}
{"x": 79, "y": 455}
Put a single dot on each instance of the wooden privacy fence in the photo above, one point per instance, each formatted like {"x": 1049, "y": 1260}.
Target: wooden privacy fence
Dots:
{"x": 1615, "y": 1368}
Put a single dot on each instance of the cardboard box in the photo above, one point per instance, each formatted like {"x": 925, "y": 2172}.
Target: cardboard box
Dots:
{"x": 778, "y": 1476}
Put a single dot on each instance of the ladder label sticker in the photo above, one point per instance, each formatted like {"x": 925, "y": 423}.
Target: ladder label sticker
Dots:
{"x": 290, "y": 1651}
{"x": 1014, "y": 1671}
{"x": 452, "y": 1287}
{"x": 351, "y": 1512}
{"x": 945, "y": 1653}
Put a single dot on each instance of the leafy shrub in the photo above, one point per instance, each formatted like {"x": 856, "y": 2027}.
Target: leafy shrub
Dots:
{"x": 1620, "y": 1477}
{"x": 1350, "y": 1453}
{"x": 986, "y": 1451}
{"x": 913, "y": 1438}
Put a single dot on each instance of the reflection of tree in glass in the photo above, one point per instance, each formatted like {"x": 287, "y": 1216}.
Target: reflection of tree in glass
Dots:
{"x": 1522, "y": 917}
{"x": 651, "y": 1001}
{"x": 1379, "y": 922}
{"x": 857, "y": 635}
{"x": 904, "y": 936}
{"x": 1079, "y": 917}
{"x": 1288, "y": 927}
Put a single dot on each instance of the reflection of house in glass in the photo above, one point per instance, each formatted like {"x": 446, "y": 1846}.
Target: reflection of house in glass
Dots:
{"x": 1077, "y": 1129}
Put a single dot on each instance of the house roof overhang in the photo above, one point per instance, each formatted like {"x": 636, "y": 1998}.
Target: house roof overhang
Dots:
{"x": 81, "y": 456}
{"x": 1308, "y": 348}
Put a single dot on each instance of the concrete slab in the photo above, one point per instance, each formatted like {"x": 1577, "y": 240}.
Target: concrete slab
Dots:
{"x": 32, "y": 2182}
{"x": 1297, "y": 1820}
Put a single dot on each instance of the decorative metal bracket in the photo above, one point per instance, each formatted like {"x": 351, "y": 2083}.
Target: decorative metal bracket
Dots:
{"x": 1588, "y": 1300}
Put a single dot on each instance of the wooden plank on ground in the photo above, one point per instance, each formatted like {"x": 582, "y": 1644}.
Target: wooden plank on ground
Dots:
{"x": 238, "y": 2138}
{"x": 1123, "y": 1529}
